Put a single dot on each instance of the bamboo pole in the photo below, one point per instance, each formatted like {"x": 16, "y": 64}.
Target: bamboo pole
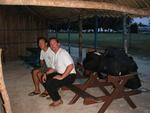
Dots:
{"x": 125, "y": 34}
{"x": 80, "y": 39}
{"x": 68, "y": 30}
{"x": 3, "y": 90}
{"x": 95, "y": 31}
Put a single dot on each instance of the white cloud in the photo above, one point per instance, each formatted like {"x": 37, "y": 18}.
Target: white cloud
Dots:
{"x": 144, "y": 20}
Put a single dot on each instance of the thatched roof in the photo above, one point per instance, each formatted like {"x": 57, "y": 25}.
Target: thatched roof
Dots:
{"x": 64, "y": 10}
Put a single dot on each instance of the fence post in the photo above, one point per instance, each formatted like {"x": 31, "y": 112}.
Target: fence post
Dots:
{"x": 3, "y": 90}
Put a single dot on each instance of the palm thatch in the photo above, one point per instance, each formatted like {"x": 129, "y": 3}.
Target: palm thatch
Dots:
{"x": 62, "y": 10}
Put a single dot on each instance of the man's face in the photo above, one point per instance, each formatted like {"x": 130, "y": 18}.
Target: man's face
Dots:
{"x": 54, "y": 45}
{"x": 42, "y": 44}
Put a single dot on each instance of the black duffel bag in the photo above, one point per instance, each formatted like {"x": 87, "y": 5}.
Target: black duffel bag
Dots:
{"x": 133, "y": 83}
{"x": 92, "y": 61}
{"x": 118, "y": 62}
{"x": 114, "y": 62}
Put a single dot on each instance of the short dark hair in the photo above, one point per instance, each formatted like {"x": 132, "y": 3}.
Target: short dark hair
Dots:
{"x": 42, "y": 38}
{"x": 54, "y": 38}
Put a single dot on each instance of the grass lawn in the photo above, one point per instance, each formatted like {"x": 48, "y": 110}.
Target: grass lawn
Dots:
{"x": 139, "y": 44}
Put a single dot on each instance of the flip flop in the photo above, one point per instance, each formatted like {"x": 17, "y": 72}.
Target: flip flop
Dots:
{"x": 33, "y": 93}
{"x": 43, "y": 94}
{"x": 48, "y": 98}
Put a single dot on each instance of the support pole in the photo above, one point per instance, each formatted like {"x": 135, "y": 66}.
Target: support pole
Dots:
{"x": 95, "y": 31}
{"x": 80, "y": 40}
{"x": 56, "y": 31}
{"x": 3, "y": 90}
{"x": 68, "y": 35}
{"x": 125, "y": 34}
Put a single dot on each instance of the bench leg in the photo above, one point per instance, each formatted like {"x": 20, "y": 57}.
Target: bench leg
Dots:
{"x": 130, "y": 102}
{"x": 105, "y": 106}
{"x": 74, "y": 100}
{"x": 118, "y": 92}
{"x": 84, "y": 87}
{"x": 104, "y": 90}
{"x": 108, "y": 100}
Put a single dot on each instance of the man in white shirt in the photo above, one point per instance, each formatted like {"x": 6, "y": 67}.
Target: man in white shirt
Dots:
{"x": 46, "y": 61}
{"x": 63, "y": 72}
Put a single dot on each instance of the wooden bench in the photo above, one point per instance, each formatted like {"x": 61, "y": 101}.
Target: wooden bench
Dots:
{"x": 117, "y": 82}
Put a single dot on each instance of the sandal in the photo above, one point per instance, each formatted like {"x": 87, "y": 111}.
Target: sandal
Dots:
{"x": 48, "y": 98}
{"x": 33, "y": 93}
{"x": 44, "y": 94}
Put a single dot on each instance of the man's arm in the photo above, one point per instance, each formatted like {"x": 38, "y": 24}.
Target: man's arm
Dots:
{"x": 50, "y": 70}
{"x": 66, "y": 73}
{"x": 42, "y": 62}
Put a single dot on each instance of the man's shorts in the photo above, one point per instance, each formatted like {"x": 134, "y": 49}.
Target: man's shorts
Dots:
{"x": 43, "y": 69}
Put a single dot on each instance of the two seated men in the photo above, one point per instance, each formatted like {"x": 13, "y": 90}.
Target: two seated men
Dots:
{"x": 60, "y": 70}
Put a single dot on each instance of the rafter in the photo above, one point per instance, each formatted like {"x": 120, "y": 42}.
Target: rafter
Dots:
{"x": 146, "y": 3}
{"x": 79, "y": 4}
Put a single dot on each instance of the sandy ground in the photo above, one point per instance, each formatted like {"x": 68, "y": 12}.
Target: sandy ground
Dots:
{"x": 19, "y": 83}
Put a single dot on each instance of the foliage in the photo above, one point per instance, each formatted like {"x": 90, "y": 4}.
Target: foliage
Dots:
{"x": 113, "y": 23}
{"x": 134, "y": 28}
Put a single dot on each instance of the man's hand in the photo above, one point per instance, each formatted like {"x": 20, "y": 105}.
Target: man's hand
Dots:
{"x": 58, "y": 77}
{"x": 44, "y": 78}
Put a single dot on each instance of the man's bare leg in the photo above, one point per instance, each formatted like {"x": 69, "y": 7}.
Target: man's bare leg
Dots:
{"x": 36, "y": 80}
{"x": 45, "y": 93}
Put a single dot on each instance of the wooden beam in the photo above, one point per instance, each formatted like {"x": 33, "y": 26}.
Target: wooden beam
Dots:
{"x": 79, "y": 4}
{"x": 125, "y": 34}
{"x": 95, "y": 32}
{"x": 68, "y": 30}
{"x": 3, "y": 90}
{"x": 80, "y": 39}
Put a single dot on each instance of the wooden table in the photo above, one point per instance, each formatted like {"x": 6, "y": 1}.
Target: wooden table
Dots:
{"x": 117, "y": 82}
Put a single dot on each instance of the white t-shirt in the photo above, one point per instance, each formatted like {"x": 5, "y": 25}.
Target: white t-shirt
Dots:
{"x": 48, "y": 57}
{"x": 62, "y": 60}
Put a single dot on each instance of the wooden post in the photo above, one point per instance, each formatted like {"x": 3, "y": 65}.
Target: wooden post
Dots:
{"x": 3, "y": 90}
{"x": 129, "y": 37}
{"x": 80, "y": 40}
{"x": 68, "y": 35}
{"x": 95, "y": 31}
{"x": 56, "y": 31}
{"x": 125, "y": 34}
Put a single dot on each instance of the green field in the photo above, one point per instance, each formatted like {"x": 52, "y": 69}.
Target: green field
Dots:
{"x": 139, "y": 44}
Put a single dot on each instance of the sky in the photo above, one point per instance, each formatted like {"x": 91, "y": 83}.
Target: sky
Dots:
{"x": 145, "y": 20}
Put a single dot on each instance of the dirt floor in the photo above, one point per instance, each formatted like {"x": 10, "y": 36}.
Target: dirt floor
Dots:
{"x": 18, "y": 81}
